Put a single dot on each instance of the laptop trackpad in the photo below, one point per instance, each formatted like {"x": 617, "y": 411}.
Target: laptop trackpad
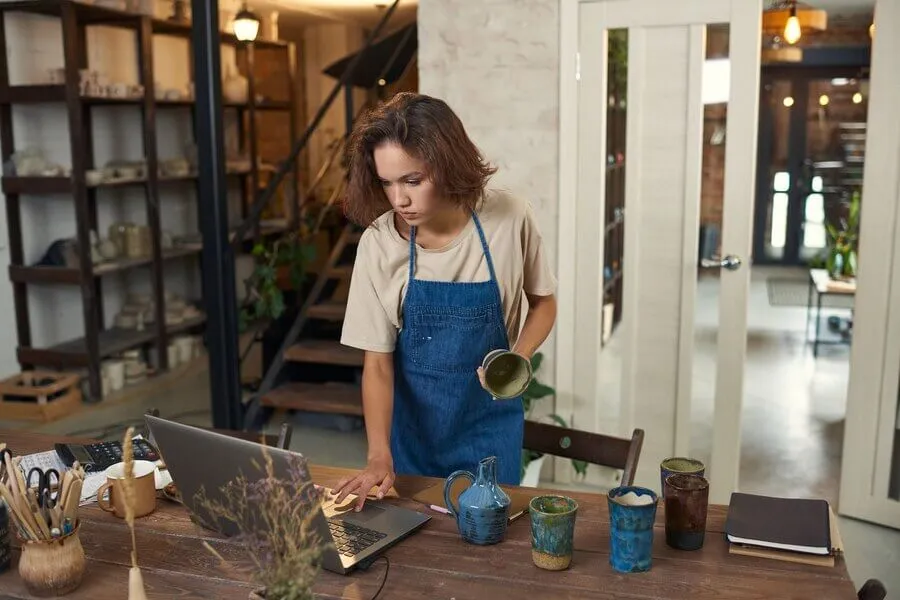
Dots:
{"x": 369, "y": 512}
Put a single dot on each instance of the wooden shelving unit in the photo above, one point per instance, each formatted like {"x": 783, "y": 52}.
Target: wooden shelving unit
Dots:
{"x": 614, "y": 217}
{"x": 99, "y": 343}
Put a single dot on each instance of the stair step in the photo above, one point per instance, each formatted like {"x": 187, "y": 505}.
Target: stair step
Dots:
{"x": 324, "y": 352}
{"x": 329, "y": 311}
{"x": 339, "y": 398}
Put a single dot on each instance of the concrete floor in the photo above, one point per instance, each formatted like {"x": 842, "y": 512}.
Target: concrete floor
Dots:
{"x": 792, "y": 424}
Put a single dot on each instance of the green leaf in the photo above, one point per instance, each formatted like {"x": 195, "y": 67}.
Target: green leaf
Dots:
{"x": 536, "y": 362}
{"x": 580, "y": 467}
{"x": 258, "y": 250}
{"x": 537, "y": 390}
{"x": 559, "y": 420}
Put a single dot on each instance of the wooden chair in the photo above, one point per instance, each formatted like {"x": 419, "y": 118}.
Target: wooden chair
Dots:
{"x": 282, "y": 440}
{"x": 594, "y": 448}
{"x": 872, "y": 590}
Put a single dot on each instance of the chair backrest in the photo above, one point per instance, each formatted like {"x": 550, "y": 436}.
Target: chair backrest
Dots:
{"x": 872, "y": 590}
{"x": 281, "y": 441}
{"x": 594, "y": 448}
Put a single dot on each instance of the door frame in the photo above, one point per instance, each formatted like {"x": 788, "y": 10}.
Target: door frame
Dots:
{"x": 800, "y": 77}
{"x": 872, "y": 399}
{"x": 580, "y": 280}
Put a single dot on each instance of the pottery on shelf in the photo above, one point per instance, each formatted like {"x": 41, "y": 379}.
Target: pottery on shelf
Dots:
{"x": 235, "y": 87}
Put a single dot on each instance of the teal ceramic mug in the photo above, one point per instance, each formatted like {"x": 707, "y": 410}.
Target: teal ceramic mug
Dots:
{"x": 552, "y": 531}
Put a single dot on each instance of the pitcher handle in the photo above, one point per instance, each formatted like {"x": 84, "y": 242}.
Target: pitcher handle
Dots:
{"x": 449, "y": 484}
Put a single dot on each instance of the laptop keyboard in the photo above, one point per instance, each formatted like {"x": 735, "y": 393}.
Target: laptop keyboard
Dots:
{"x": 351, "y": 539}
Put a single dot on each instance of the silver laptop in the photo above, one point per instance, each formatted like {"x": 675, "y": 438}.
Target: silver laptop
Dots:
{"x": 197, "y": 458}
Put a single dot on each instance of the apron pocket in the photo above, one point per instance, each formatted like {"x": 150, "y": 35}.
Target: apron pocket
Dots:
{"x": 452, "y": 341}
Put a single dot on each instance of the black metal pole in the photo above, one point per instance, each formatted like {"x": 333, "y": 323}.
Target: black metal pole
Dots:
{"x": 348, "y": 108}
{"x": 219, "y": 294}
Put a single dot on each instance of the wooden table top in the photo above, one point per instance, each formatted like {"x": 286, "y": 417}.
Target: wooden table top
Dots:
{"x": 434, "y": 562}
{"x": 826, "y": 285}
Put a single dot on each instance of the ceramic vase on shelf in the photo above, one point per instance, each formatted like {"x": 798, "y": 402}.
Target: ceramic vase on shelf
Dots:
{"x": 235, "y": 87}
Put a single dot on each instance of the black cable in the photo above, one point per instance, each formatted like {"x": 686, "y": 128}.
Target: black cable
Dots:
{"x": 387, "y": 567}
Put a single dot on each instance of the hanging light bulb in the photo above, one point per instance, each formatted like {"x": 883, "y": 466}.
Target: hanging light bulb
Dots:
{"x": 792, "y": 31}
{"x": 788, "y": 101}
{"x": 246, "y": 25}
{"x": 857, "y": 98}
{"x": 872, "y": 31}
{"x": 823, "y": 100}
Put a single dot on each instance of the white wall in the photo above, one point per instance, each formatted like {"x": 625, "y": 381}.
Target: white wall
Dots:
{"x": 34, "y": 45}
{"x": 322, "y": 45}
{"x": 496, "y": 63}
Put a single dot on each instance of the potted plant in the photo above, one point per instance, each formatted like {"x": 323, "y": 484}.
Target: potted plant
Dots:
{"x": 533, "y": 461}
{"x": 843, "y": 242}
{"x": 274, "y": 519}
{"x": 264, "y": 299}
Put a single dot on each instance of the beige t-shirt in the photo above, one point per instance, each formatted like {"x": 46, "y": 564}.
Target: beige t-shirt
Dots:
{"x": 380, "y": 274}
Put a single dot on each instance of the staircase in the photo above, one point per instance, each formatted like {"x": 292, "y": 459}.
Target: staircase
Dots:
{"x": 315, "y": 353}
{"x": 311, "y": 371}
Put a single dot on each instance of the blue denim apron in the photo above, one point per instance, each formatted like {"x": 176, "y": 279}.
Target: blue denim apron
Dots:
{"x": 443, "y": 419}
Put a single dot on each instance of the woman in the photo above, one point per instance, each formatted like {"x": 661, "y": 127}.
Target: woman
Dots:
{"x": 439, "y": 279}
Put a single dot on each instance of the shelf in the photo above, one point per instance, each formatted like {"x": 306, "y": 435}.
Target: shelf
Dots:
{"x": 112, "y": 341}
{"x": 66, "y": 275}
{"x": 37, "y": 185}
{"x": 86, "y": 13}
{"x": 165, "y": 27}
{"x": 610, "y": 227}
{"x": 611, "y": 282}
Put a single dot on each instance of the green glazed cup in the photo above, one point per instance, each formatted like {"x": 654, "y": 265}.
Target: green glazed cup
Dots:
{"x": 552, "y": 531}
{"x": 506, "y": 374}
{"x": 678, "y": 465}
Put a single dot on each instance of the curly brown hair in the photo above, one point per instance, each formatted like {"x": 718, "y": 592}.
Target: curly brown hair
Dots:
{"x": 425, "y": 128}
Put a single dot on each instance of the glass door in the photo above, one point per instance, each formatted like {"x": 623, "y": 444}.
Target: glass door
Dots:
{"x": 811, "y": 156}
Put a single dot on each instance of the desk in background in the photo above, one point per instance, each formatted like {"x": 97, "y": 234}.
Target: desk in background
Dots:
{"x": 434, "y": 563}
{"x": 820, "y": 285}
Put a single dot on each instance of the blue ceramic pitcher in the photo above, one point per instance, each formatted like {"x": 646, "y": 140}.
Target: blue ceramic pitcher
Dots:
{"x": 482, "y": 513}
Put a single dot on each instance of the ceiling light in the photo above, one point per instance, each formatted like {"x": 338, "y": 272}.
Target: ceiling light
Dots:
{"x": 789, "y": 19}
{"x": 788, "y": 101}
{"x": 246, "y": 25}
{"x": 840, "y": 81}
{"x": 857, "y": 98}
{"x": 823, "y": 100}
{"x": 792, "y": 30}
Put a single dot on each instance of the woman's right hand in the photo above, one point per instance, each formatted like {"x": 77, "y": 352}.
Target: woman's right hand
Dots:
{"x": 378, "y": 472}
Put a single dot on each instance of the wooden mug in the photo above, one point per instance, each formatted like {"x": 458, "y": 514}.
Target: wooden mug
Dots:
{"x": 144, "y": 489}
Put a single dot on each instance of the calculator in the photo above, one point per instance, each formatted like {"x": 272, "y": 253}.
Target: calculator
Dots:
{"x": 97, "y": 457}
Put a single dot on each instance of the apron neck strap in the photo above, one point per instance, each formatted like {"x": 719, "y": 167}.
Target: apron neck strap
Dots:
{"x": 484, "y": 248}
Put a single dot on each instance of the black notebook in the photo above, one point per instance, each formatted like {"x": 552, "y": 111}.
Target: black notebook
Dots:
{"x": 792, "y": 524}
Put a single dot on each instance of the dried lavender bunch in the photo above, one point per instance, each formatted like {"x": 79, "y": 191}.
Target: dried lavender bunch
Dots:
{"x": 274, "y": 518}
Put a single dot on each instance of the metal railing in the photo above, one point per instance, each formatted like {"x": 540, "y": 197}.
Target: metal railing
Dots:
{"x": 290, "y": 163}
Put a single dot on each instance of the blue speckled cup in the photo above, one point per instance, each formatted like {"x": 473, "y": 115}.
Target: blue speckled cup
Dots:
{"x": 552, "y": 531}
{"x": 631, "y": 530}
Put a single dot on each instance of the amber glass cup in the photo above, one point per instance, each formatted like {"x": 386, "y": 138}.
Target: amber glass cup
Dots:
{"x": 687, "y": 499}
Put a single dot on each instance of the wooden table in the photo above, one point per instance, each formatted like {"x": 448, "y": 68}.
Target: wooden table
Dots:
{"x": 820, "y": 285}
{"x": 434, "y": 563}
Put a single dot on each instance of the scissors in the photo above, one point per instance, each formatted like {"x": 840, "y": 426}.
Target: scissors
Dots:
{"x": 45, "y": 486}
{"x": 3, "y": 454}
